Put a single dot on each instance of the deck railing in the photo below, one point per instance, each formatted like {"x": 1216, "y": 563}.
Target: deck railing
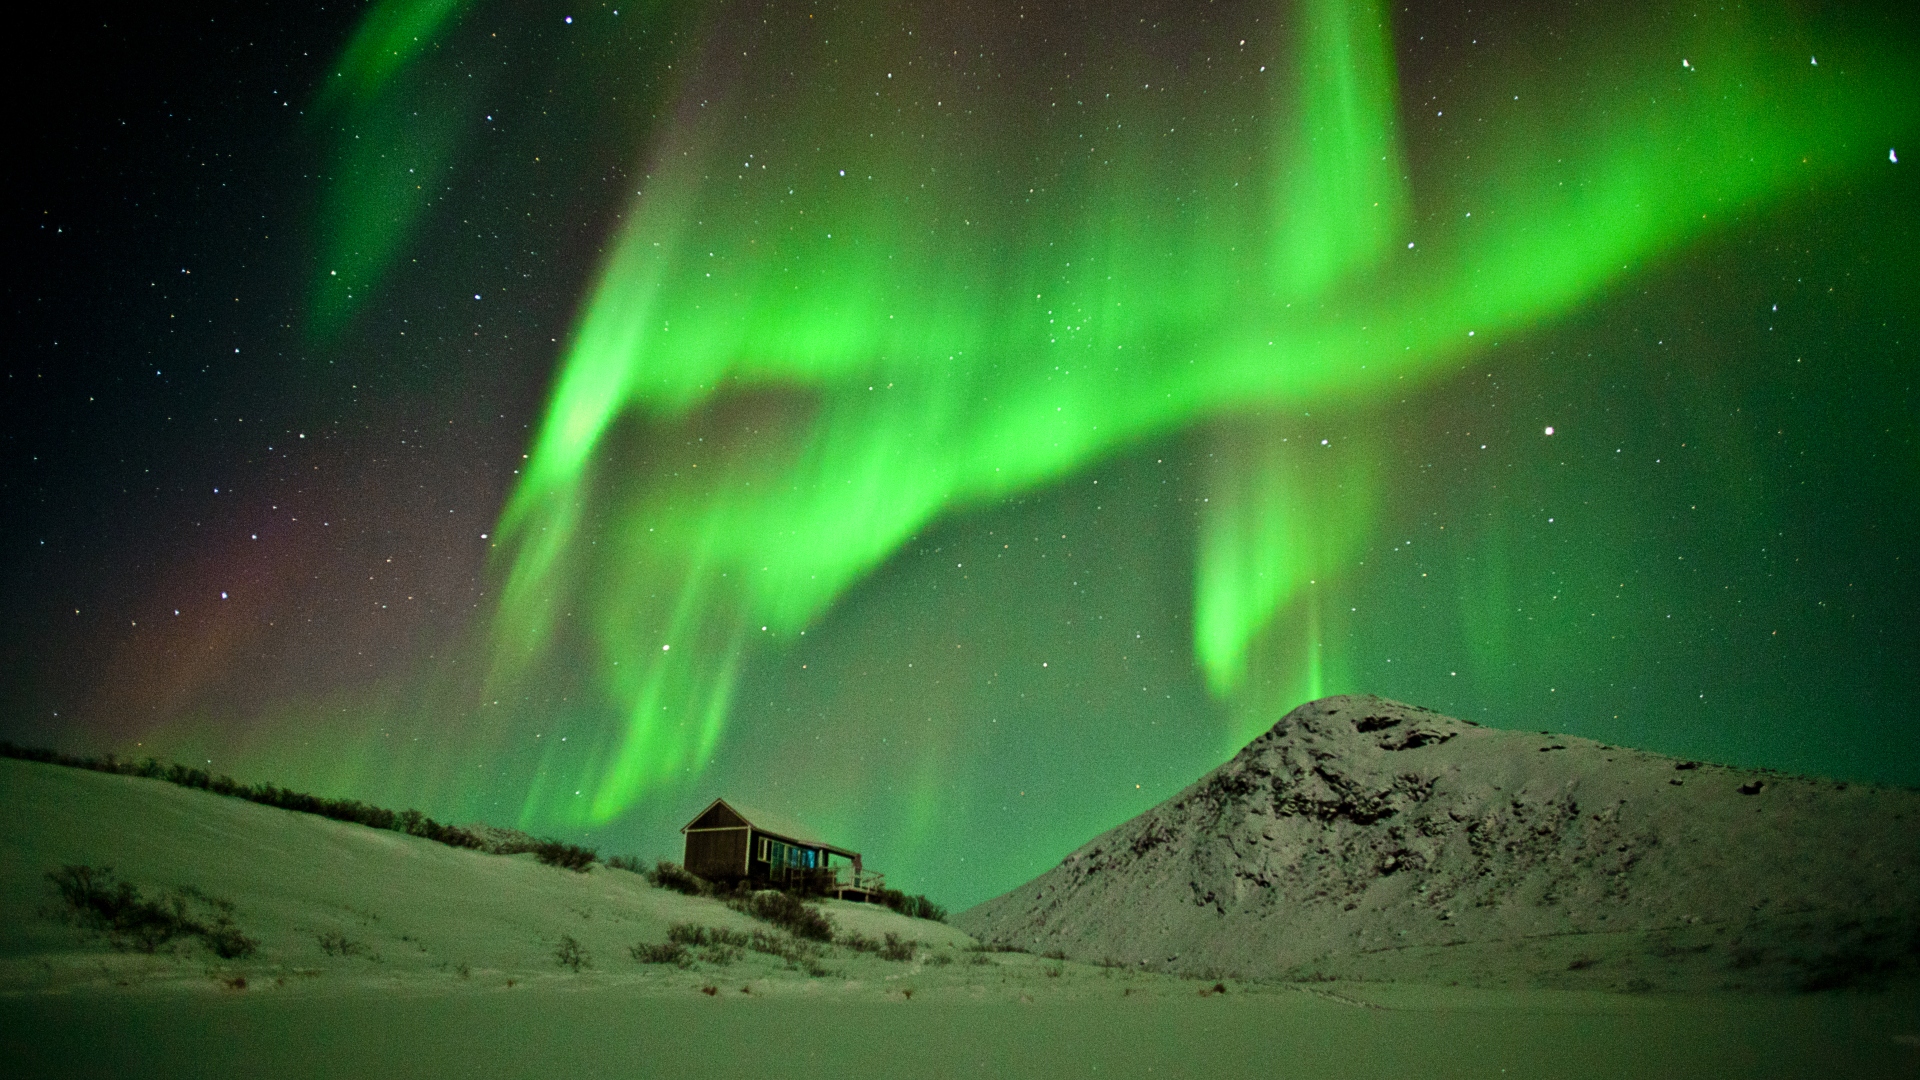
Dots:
{"x": 828, "y": 879}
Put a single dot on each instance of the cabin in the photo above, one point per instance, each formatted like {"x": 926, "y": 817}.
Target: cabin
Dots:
{"x": 728, "y": 842}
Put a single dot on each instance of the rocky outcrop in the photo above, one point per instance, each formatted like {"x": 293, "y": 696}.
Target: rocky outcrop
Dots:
{"x": 1364, "y": 838}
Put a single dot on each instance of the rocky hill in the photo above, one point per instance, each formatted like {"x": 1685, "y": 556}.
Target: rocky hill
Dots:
{"x": 1361, "y": 838}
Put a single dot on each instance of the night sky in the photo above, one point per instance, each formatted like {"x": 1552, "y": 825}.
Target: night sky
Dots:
{"x": 957, "y": 426}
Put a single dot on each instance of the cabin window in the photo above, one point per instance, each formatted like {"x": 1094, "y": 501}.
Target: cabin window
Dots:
{"x": 777, "y": 854}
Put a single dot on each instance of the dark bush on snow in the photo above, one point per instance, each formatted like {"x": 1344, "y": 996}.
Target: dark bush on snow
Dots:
{"x": 799, "y": 955}
{"x": 789, "y": 913}
{"x": 669, "y": 875}
{"x": 894, "y": 947}
{"x": 412, "y": 822}
{"x": 914, "y": 907}
{"x": 571, "y": 953}
{"x": 692, "y": 934}
{"x": 858, "y": 942}
{"x": 671, "y": 952}
{"x": 565, "y": 856}
{"x": 97, "y": 901}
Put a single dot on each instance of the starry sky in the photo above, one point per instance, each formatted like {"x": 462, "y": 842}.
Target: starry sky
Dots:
{"x": 957, "y": 426}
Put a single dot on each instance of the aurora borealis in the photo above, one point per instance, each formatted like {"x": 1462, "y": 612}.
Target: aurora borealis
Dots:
{"x": 964, "y": 426}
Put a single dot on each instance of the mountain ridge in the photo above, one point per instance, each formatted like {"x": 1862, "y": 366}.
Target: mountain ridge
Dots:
{"x": 1366, "y": 838}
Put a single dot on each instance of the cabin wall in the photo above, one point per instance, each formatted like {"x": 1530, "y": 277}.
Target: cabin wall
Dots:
{"x": 765, "y": 871}
{"x": 717, "y": 855}
{"x": 757, "y": 868}
{"x": 718, "y": 816}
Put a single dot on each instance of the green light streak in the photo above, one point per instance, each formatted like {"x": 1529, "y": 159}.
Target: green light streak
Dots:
{"x": 391, "y": 36}
{"x": 1284, "y": 511}
{"x": 1343, "y": 200}
{"x": 828, "y": 320}
{"x": 394, "y": 128}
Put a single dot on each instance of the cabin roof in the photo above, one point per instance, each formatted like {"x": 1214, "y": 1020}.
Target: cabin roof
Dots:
{"x": 773, "y": 825}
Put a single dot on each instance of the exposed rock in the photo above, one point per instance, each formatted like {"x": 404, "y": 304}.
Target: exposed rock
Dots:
{"x": 1363, "y": 838}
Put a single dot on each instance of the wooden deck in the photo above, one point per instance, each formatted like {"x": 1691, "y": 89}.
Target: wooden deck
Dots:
{"x": 865, "y": 888}
{"x": 839, "y": 882}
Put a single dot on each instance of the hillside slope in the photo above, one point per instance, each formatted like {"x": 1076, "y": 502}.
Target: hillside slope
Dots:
{"x": 446, "y": 963}
{"x": 1363, "y": 838}
{"x": 333, "y": 905}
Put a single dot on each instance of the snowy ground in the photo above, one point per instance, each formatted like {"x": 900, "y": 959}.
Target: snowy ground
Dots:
{"x": 385, "y": 955}
{"x": 1364, "y": 839}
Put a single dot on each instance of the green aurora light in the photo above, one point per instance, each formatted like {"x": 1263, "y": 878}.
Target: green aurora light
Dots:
{"x": 901, "y": 296}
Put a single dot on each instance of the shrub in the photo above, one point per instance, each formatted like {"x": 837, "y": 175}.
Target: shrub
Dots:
{"x": 671, "y": 952}
{"x": 895, "y": 948}
{"x": 786, "y": 948}
{"x": 571, "y": 954}
{"x": 98, "y": 901}
{"x": 415, "y": 823}
{"x": 799, "y": 955}
{"x": 565, "y": 856}
{"x": 335, "y": 943}
{"x": 693, "y": 934}
{"x": 913, "y": 907}
{"x": 629, "y": 863}
{"x": 350, "y": 810}
{"x": 227, "y": 942}
{"x": 668, "y": 875}
{"x": 789, "y": 913}
{"x": 858, "y": 942}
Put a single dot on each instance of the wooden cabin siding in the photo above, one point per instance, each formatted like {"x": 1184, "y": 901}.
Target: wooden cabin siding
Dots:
{"x": 718, "y": 816}
{"x": 717, "y": 854}
{"x": 727, "y": 843}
